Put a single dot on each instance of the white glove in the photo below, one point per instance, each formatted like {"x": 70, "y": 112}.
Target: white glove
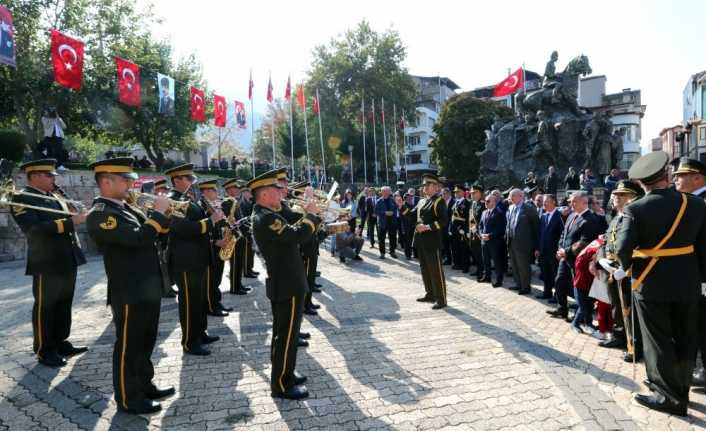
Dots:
{"x": 703, "y": 288}
{"x": 619, "y": 274}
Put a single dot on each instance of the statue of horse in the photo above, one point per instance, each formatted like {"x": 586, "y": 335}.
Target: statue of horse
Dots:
{"x": 553, "y": 95}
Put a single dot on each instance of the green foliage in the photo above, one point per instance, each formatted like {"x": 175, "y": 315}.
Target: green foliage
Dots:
{"x": 244, "y": 172}
{"x": 460, "y": 133}
{"x": 87, "y": 150}
{"x": 12, "y": 144}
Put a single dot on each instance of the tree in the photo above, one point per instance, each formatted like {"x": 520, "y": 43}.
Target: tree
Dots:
{"x": 460, "y": 133}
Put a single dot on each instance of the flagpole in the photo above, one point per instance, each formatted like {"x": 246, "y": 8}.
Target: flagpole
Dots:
{"x": 272, "y": 128}
{"x": 365, "y": 159}
{"x": 291, "y": 129}
{"x": 321, "y": 136}
{"x": 252, "y": 136}
{"x": 404, "y": 145}
{"x": 375, "y": 146}
{"x": 384, "y": 140}
{"x": 306, "y": 141}
{"x": 397, "y": 152}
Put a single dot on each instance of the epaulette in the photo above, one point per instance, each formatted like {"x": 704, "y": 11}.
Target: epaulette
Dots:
{"x": 98, "y": 206}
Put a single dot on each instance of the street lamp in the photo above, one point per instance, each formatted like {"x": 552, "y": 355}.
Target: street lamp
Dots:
{"x": 350, "y": 153}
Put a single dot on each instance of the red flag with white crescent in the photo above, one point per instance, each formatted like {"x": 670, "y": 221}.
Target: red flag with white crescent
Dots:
{"x": 67, "y": 59}
{"x": 128, "y": 82}
{"x": 250, "y": 86}
{"x": 269, "y": 90}
{"x": 198, "y": 111}
{"x": 219, "y": 111}
{"x": 288, "y": 91}
{"x": 510, "y": 84}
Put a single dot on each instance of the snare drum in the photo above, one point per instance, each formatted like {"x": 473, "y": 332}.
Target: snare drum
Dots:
{"x": 336, "y": 227}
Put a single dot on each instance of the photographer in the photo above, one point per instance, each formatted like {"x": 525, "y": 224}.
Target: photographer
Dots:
{"x": 53, "y": 141}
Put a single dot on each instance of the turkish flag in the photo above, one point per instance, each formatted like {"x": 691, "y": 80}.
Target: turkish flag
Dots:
{"x": 269, "y": 90}
{"x": 128, "y": 82}
{"x": 219, "y": 111}
{"x": 198, "y": 112}
{"x": 301, "y": 100}
{"x": 510, "y": 84}
{"x": 288, "y": 91}
{"x": 315, "y": 105}
{"x": 67, "y": 59}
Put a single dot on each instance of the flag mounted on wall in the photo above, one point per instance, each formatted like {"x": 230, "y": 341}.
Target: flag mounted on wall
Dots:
{"x": 198, "y": 111}
{"x": 219, "y": 111}
{"x": 128, "y": 82}
{"x": 67, "y": 59}
{"x": 7, "y": 38}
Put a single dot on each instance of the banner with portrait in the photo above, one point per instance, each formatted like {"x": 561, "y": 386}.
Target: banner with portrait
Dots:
{"x": 165, "y": 104}
{"x": 241, "y": 119}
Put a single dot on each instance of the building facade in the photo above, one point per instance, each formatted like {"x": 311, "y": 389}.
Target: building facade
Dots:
{"x": 694, "y": 117}
{"x": 671, "y": 141}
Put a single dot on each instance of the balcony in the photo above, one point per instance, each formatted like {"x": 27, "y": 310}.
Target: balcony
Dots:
{"x": 420, "y": 167}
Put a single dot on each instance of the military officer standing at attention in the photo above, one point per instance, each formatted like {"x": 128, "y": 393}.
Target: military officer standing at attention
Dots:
{"x": 474, "y": 242}
{"x": 286, "y": 283}
{"x": 214, "y": 273}
{"x": 431, "y": 225}
{"x": 53, "y": 254}
{"x": 690, "y": 177}
{"x": 460, "y": 209}
{"x": 662, "y": 239}
{"x": 231, "y": 210}
{"x": 246, "y": 205}
{"x": 189, "y": 258}
{"x": 127, "y": 239}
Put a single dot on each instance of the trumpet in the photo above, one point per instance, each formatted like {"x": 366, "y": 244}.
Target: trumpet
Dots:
{"x": 145, "y": 201}
{"x": 8, "y": 191}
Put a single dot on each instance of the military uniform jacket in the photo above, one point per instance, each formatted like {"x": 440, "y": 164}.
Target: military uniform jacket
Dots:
{"x": 52, "y": 244}
{"x": 433, "y": 213}
{"x": 189, "y": 238}
{"x": 127, "y": 239}
{"x": 460, "y": 210}
{"x": 279, "y": 242}
{"x": 645, "y": 223}
{"x": 408, "y": 215}
{"x": 474, "y": 216}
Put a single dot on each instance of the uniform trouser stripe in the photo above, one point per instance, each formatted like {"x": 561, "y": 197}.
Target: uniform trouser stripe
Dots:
{"x": 122, "y": 359}
{"x": 442, "y": 281}
{"x": 40, "y": 337}
{"x": 286, "y": 346}
{"x": 188, "y": 323}
{"x": 209, "y": 289}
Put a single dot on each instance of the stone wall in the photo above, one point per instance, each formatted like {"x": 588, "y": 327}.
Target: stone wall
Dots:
{"x": 79, "y": 185}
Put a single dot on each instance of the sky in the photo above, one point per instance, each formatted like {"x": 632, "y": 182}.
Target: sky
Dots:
{"x": 654, "y": 46}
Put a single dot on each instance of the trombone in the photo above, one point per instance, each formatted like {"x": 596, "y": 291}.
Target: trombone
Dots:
{"x": 8, "y": 191}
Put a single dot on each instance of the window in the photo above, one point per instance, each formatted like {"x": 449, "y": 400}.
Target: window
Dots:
{"x": 702, "y": 133}
{"x": 413, "y": 159}
{"x": 413, "y": 140}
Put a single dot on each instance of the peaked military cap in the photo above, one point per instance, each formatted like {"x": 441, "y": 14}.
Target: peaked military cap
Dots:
{"x": 282, "y": 174}
{"x": 268, "y": 179}
{"x": 232, "y": 183}
{"x": 300, "y": 185}
{"x": 186, "y": 169}
{"x": 459, "y": 188}
{"x": 627, "y": 186}
{"x": 690, "y": 166}
{"x": 208, "y": 184}
{"x": 41, "y": 165}
{"x": 121, "y": 166}
{"x": 430, "y": 179}
{"x": 650, "y": 167}
{"x": 161, "y": 184}
{"x": 476, "y": 187}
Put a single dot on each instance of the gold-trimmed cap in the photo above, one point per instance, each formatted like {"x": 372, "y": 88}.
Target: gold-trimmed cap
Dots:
{"x": 208, "y": 184}
{"x": 41, "y": 165}
{"x": 300, "y": 185}
{"x": 430, "y": 179}
{"x": 161, "y": 184}
{"x": 231, "y": 183}
{"x": 186, "y": 169}
{"x": 628, "y": 187}
{"x": 268, "y": 179}
{"x": 476, "y": 187}
{"x": 650, "y": 167}
{"x": 459, "y": 188}
{"x": 282, "y": 174}
{"x": 690, "y": 166}
{"x": 121, "y": 166}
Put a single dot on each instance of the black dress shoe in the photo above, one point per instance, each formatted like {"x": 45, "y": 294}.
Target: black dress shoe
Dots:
{"x": 382, "y": 256}
{"x": 52, "y": 360}
{"x": 552, "y": 301}
{"x": 315, "y": 290}
{"x": 227, "y": 308}
{"x": 558, "y": 313}
{"x": 698, "y": 378}
{"x": 656, "y": 401}
{"x": 543, "y": 296}
{"x": 317, "y": 274}
{"x": 484, "y": 280}
{"x": 498, "y": 284}
{"x": 576, "y": 329}
{"x": 615, "y": 343}
{"x": 197, "y": 351}
{"x": 524, "y": 291}
{"x": 294, "y": 393}
{"x": 302, "y": 343}
{"x": 208, "y": 339}
{"x": 310, "y": 312}
{"x": 68, "y": 349}
{"x": 299, "y": 379}
{"x": 425, "y": 299}
{"x": 304, "y": 335}
{"x": 438, "y": 306}
{"x": 514, "y": 287}
{"x": 161, "y": 393}
{"x": 218, "y": 313}
{"x": 315, "y": 306}
{"x": 141, "y": 408}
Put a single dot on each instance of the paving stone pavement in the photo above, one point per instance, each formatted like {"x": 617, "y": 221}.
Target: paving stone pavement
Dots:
{"x": 378, "y": 360}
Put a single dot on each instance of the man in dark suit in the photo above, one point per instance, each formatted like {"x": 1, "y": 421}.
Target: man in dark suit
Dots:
{"x": 368, "y": 215}
{"x": 53, "y": 255}
{"x": 386, "y": 210}
{"x": 491, "y": 231}
{"x": 662, "y": 240}
{"x": 460, "y": 209}
{"x": 579, "y": 230}
{"x": 522, "y": 235}
{"x": 550, "y": 227}
{"x": 446, "y": 240}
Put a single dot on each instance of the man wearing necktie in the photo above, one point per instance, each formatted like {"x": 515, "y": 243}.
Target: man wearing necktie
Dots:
{"x": 385, "y": 209}
{"x": 522, "y": 231}
{"x": 550, "y": 228}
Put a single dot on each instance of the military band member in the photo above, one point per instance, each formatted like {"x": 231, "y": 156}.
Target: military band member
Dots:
{"x": 246, "y": 206}
{"x": 161, "y": 187}
{"x": 690, "y": 177}
{"x": 662, "y": 239}
{"x": 279, "y": 241}
{"x": 231, "y": 210}
{"x": 408, "y": 220}
{"x": 214, "y": 272}
{"x": 53, "y": 254}
{"x": 619, "y": 290}
{"x": 189, "y": 258}
{"x": 474, "y": 242}
{"x": 126, "y": 238}
{"x": 460, "y": 209}
{"x": 431, "y": 226}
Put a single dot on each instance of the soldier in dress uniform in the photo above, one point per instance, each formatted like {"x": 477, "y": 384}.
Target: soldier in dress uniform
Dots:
{"x": 214, "y": 272}
{"x": 474, "y": 242}
{"x": 53, "y": 254}
{"x": 662, "y": 239}
{"x": 127, "y": 239}
{"x": 246, "y": 205}
{"x": 431, "y": 226}
{"x": 161, "y": 187}
{"x": 286, "y": 284}
{"x": 619, "y": 290}
{"x": 232, "y": 211}
{"x": 408, "y": 218}
{"x": 690, "y": 177}
{"x": 460, "y": 209}
{"x": 189, "y": 259}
